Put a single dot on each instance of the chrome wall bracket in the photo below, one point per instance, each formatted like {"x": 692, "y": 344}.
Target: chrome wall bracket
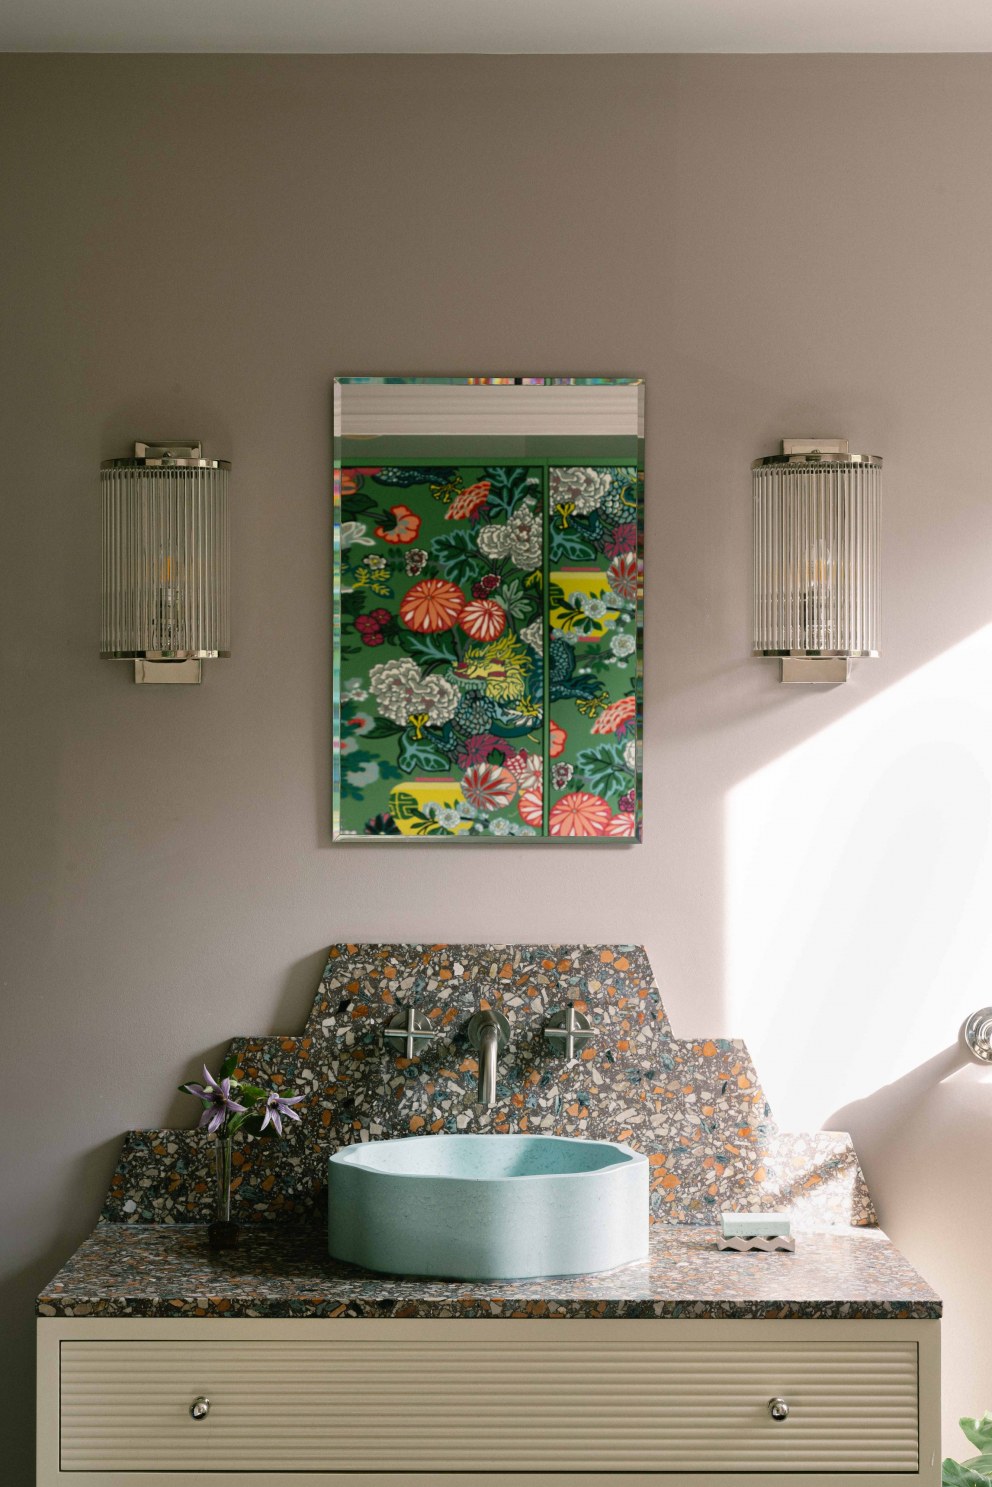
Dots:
{"x": 188, "y": 672}
{"x": 978, "y": 1035}
{"x": 820, "y": 671}
{"x": 569, "y": 1031}
{"x": 409, "y": 1033}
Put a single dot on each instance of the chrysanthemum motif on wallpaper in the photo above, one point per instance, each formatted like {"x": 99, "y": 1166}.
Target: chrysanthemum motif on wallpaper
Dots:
{"x": 488, "y": 651}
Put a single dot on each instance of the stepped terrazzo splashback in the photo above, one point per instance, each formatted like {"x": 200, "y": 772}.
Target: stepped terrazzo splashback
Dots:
{"x": 696, "y": 1107}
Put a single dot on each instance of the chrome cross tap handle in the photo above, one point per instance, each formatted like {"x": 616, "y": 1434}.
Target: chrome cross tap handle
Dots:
{"x": 409, "y": 1033}
{"x": 570, "y": 1031}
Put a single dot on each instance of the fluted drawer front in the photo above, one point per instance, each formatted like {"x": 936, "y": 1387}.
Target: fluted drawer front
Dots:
{"x": 505, "y": 1404}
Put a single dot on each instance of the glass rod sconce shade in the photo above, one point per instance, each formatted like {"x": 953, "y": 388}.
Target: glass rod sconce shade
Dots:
{"x": 816, "y": 558}
{"x": 166, "y": 561}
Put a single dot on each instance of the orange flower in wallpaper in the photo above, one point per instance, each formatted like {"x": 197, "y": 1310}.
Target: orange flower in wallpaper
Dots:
{"x": 486, "y": 787}
{"x": 431, "y": 606}
{"x": 579, "y": 814}
{"x": 468, "y": 502}
{"x": 483, "y": 619}
{"x": 618, "y": 715}
{"x": 407, "y": 525}
{"x": 531, "y": 806}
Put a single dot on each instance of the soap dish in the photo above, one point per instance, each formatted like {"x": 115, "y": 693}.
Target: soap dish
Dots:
{"x": 744, "y": 1244}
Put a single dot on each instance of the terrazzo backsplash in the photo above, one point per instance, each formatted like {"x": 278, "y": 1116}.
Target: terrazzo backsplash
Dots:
{"x": 696, "y": 1107}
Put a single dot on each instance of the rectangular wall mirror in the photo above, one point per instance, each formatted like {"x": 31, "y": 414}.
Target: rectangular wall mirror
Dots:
{"x": 488, "y": 542}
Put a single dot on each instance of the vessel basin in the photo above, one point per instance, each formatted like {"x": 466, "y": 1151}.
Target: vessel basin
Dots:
{"x": 485, "y": 1207}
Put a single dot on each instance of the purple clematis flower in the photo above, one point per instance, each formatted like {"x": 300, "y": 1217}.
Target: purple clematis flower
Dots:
{"x": 219, "y": 1102}
{"x": 276, "y": 1106}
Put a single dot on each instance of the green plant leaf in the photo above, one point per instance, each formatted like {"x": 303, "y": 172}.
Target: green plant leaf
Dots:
{"x": 458, "y": 557}
{"x": 953, "y": 1474}
{"x": 429, "y": 651}
{"x": 978, "y": 1431}
{"x": 418, "y": 755}
{"x": 602, "y": 769}
{"x": 353, "y": 602}
{"x": 229, "y": 1065}
{"x": 427, "y": 826}
{"x": 356, "y": 505}
{"x": 519, "y": 605}
{"x": 383, "y": 728}
{"x": 507, "y": 488}
{"x": 251, "y": 1092}
{"x": 570, "y": 617}
{"x": 571, "y": 547}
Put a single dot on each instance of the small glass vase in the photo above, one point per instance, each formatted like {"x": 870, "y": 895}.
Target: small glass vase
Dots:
{"x": 223, "y": 1232}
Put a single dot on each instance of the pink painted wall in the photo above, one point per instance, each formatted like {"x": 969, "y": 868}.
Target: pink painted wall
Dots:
{"x": 780, "y": 245}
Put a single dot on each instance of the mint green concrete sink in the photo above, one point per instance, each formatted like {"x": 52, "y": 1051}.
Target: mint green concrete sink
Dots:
{"x": 488, "y": 1207}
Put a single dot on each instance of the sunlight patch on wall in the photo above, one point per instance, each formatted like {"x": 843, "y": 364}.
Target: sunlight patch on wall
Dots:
{"x": 859, "y": 890}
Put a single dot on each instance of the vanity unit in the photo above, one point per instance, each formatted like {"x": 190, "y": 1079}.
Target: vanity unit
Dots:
{"x": 163, "y": 1364}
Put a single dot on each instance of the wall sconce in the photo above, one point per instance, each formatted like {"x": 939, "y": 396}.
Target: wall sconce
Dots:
{"x": 816, "y": 560}
{"x": 166, "y": 561}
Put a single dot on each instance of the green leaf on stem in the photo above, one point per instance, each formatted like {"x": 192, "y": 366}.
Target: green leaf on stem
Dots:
{"x": 383, "y": 728}
{"x": 421, "y": 755}
{"x": 458, "y": 557}
{"x": 953, "y": 1474}
{"x": 429, "y": 651}
{"x": 603, "y": 769}
{"x": 978, "y": 1431}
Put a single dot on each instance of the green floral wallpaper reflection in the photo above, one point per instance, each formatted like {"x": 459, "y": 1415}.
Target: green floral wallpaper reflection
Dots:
{"x": 487, "y": 651}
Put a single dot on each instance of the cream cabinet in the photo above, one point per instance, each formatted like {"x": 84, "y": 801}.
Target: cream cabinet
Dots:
{"x": 208, "y": 1403}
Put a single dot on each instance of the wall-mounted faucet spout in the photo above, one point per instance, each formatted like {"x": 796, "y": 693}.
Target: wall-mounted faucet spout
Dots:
{"x": 488, "y": 1033}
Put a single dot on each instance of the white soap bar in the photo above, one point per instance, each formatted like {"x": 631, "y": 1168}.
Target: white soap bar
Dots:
{"x": 765, "y": 1225}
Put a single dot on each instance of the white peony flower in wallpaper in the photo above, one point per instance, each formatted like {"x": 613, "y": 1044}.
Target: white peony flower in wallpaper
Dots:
{"x": 579, "y": 486}
{"x": 402, "y": 691}
{"x": 522, "y": 538}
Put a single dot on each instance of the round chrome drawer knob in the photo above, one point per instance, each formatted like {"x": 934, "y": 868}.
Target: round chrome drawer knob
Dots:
{"x": 200, "y": 1408}
{"x": 778, "y": 1409}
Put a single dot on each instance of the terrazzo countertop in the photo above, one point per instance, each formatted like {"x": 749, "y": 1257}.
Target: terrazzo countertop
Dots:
{"x": 166, "y": 1270}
